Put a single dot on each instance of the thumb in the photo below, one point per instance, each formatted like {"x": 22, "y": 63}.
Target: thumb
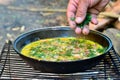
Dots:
{"x": 81, "y": 11}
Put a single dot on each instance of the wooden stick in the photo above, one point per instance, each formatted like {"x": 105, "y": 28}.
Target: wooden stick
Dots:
{"x": 36, "y": 10}
{"x": 103, "y": 14}
{"x": 109, "y": 14}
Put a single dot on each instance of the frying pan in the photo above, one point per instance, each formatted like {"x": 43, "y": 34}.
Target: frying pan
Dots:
{"x": 63, "y": 67}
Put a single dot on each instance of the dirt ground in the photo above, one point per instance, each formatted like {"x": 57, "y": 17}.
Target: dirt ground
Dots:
{"x": 19, "y": 16}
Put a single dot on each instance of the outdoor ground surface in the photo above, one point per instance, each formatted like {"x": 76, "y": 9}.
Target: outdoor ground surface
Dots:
{"x": 15, "y": 21}
{"x": 19, "y": 16}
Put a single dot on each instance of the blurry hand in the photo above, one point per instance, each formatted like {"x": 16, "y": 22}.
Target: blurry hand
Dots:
{"x": 78, "y": 8}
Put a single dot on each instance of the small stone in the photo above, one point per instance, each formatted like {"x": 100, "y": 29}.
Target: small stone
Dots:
{"x": 1, "y": 37}
{"x": 9, "y": 35}
{"x": 6, "y": 40}
{"x": 22, "y": 29}
{"x": 16, "y": 28}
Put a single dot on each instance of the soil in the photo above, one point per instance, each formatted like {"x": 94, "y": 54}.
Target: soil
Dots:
{"x": 21, "y": 18}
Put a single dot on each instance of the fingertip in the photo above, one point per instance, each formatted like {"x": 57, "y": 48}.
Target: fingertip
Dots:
{"x": 94, "y": 21}
{"x": 78, "y": 30}
{"x": 78, "y": 19}
{"x": 72, "y": 24}
{"x": 85, "y": 31}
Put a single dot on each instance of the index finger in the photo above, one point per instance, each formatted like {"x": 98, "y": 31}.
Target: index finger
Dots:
{"x": 71, "y": 12}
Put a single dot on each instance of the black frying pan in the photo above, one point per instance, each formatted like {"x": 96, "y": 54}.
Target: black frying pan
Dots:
{"x": 61, "y": 67}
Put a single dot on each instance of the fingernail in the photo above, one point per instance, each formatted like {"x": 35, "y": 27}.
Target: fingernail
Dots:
{"x": 78, "y": 30}
{"x": 85, "y": 31}
{"x": 94, "y": 21}
{"x": 72, "y": 25}
{"x": 78, "y": 20}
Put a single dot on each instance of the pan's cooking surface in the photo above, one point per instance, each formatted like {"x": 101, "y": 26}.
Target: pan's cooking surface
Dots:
{"x": 13, "y": 67}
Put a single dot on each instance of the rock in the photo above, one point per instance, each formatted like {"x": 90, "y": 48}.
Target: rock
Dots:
{"x": 22, "y": 29}
{"x": 114, "y": 35}
{"x": 16, "y": 29}
{"x": 117, "y": 24}
{"x": 9, "y": 35}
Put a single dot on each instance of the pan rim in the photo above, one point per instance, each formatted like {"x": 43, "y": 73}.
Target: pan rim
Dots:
{"x": 60, "y": 28}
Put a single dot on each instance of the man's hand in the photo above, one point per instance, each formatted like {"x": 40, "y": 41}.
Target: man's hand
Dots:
{"x": 78, "y": 9}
